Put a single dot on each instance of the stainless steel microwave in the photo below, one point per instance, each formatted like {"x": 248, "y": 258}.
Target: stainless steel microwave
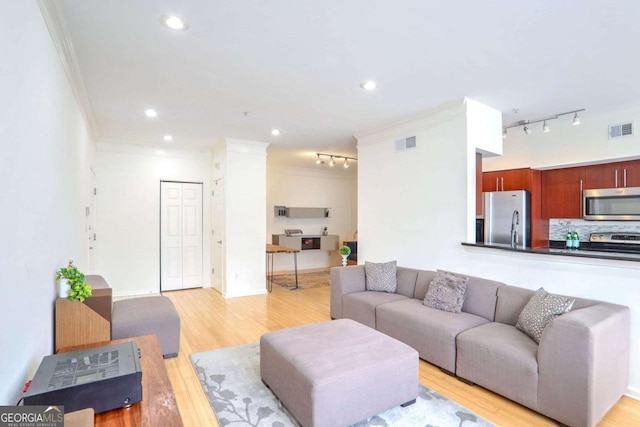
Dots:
{"x": 616, "y": 204}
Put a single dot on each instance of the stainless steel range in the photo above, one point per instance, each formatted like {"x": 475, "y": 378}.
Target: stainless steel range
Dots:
{"x": 615, "y": 242}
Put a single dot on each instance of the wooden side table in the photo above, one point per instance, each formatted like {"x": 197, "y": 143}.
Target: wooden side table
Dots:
{"x": 158, "y": 406}
{"x": 78, "y": 323}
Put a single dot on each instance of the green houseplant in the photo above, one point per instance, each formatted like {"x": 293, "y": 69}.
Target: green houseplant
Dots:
{"x": 345, "y": 251}
{"x": 77, "y": 288}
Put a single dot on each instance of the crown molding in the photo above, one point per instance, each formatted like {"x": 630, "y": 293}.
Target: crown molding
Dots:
{"x": 57, "y": 25}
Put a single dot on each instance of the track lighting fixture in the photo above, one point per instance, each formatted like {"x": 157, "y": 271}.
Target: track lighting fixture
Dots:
{"x": 332, "y": 161}
{"x": 545, "y": 127}
{"x": 576, "y": 119}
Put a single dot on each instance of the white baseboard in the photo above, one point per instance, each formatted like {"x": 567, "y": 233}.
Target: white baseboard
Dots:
{"x": 245, "y": 294}
{"x": 633, "y": 392}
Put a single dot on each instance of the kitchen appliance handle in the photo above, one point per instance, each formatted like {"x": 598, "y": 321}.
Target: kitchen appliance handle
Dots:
{"x": 581, "y": 201}
{"x": 624, "y": 176}
{"x": 497, "y": 189}
{"x": 502, "y": 181}
{"x": 616, "y": 178}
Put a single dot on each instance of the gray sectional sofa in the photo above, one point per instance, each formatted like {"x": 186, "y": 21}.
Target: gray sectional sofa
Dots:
{"x": 577, "y": 372}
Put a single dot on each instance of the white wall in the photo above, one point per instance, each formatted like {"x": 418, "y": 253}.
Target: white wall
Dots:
{"x": 245, "y": 217}
{"x": 307, "y": 187}
{"x": 566, "y": 144}
{"x": 45, "y": 161}
{"x": 413, "y": 208}
{"x": 127, "y": 249}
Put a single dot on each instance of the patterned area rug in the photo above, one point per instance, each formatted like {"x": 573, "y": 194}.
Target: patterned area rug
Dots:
{"x": 305, "y": 280}
{"x": 230, "y": 377}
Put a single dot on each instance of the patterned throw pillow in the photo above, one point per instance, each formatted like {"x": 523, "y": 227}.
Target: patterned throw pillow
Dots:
{"x": 541, "y": 309}
{"x": 446, "y": 292}
{"x": 380, "y": 277}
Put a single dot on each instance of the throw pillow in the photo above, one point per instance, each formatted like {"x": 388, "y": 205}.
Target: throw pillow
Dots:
{"x": 541, "y": 309}
{"x": 380, "y": 277}
{"x": 446, "y": 292}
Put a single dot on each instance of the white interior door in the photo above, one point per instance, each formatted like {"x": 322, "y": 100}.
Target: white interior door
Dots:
{"x": 180, "y": 235}
{"x": 217, "y": 239}
{"x": 191, "y": 235}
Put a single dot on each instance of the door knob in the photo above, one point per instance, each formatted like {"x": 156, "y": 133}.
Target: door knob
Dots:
{"x": 219, "y": 241}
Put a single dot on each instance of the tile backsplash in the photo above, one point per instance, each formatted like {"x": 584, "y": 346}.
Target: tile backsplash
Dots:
{"x": 558, "y": 227}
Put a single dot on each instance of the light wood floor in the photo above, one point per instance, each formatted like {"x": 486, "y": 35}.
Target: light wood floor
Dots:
{"x": 209, "y": 322}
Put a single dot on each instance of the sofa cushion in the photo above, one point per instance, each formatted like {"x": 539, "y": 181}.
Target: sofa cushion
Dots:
{"x": 501, "y": 358}
{"x": 361, "y": 306}
{"x": 380, "y": 276}
{"x": 406, "y": 281}
{"x": 447, "y": 292}
{"x": 432, "y": 332}
{"x": 541, "y": 309}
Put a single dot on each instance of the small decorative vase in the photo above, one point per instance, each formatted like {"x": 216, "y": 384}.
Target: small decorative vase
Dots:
{"x": 344, "y": 260}
{"x": 63, "y": 288}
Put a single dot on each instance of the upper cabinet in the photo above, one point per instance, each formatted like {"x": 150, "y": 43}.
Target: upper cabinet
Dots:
{"x": 507, "y": 180}
{"x": 613, "y": 175}
{"x": 562, "y": 192}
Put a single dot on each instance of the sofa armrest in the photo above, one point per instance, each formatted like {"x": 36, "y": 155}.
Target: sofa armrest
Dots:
{"x": 583, "y": 362}
{"x": 345, "y": 280}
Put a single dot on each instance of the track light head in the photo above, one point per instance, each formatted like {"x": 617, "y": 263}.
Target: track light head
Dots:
{"x": 526, "y": 130}
{"x": 576, "y": 119}
{"x": 545, "y": 127}
{"x": 346, "y": 163}
{"x": 504, "y": 133}
{"x": 332, "y": 162}
{"x": 319, "y": 161}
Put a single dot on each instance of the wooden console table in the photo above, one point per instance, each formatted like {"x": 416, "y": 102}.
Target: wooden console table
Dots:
{"x": 158, "y": 406}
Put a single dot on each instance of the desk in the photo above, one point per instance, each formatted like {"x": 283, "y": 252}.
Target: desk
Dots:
{"x": 158, "y": 406}
{"x": 275, "y": 249}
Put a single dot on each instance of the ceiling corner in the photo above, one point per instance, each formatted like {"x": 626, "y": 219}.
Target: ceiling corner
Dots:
{"x": 56, "y": 24}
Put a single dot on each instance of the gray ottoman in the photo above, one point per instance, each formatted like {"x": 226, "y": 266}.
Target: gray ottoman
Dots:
{"x": 337, "y": 373}
{"x": 154, "y": 315}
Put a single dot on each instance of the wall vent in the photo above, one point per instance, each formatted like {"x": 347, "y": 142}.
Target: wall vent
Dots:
{"x": 406, "y": 143}
{"x": 621, "y": 130}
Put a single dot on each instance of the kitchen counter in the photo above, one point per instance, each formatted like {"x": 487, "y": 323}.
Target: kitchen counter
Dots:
{"x": 583, "y": 253}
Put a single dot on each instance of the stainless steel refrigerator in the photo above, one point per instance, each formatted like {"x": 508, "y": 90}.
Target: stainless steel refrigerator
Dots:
{"x": 507, "y": 218}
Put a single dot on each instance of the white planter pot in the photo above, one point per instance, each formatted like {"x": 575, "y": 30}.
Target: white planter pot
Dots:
{"x": 63, "y": 288}
{"x": 344, "y": 260}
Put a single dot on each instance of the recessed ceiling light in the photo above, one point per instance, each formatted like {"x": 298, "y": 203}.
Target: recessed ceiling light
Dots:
{"x": 275, "y": 132}
{"x": 150, "y": 112}
{"x": 370, "y": 85}
{"x": 168, "y": 138}
{"x": 173, "y": 22}
{"x": 159, "y": 153}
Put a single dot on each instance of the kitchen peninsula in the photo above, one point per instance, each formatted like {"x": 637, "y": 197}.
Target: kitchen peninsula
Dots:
{"x": 555, "y": 250}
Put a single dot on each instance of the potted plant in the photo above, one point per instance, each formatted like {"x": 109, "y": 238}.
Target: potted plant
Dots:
{"x": 71, "y": 283}
{"x": 345, "y": 251}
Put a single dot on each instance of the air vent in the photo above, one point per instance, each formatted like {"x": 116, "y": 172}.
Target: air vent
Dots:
{"x": 621, "y": 130}
{"x": 406, "y": 143}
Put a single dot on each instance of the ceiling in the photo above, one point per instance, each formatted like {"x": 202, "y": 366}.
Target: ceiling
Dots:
{"x": 246, "y": 67}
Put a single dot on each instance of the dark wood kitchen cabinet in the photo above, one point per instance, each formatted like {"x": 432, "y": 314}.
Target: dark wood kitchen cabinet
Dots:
{"x": 613, "y": 175}
{"x": 562, "y": 192}
{"x": 506, "y": 180}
